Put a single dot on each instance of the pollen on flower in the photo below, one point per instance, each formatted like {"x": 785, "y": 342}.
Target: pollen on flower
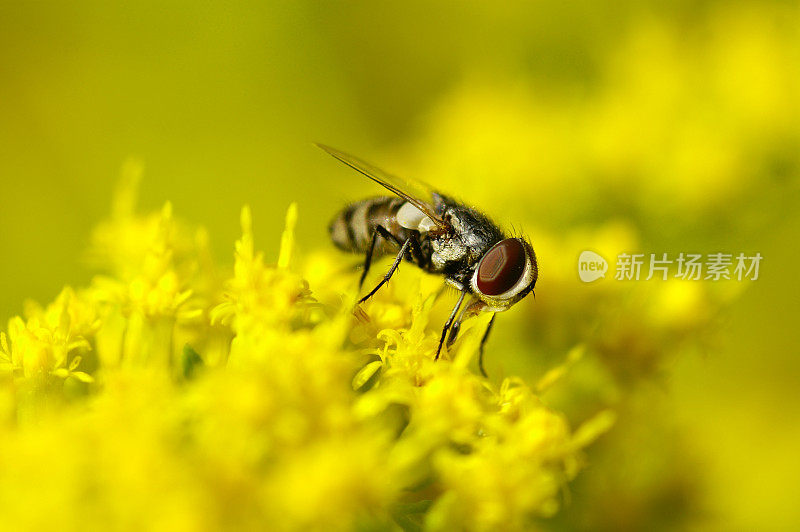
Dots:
{"x": 168, "y": 393}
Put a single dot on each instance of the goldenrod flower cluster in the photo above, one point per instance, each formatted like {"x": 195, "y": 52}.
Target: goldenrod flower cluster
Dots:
{"x": 169, "y": 394}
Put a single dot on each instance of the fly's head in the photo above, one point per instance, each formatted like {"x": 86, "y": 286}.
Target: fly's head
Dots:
{"x": 505, "y": 274}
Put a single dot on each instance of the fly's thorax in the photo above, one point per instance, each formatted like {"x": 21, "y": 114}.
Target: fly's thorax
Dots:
{"x": 473, "y": 234}
{"x": 449, "y": 253}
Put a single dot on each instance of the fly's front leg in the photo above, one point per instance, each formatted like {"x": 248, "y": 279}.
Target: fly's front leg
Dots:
{"x": 449, "y": 323}
{"x": 473, "y": 309}
{"x": 469, "y": 311}
{"x": 454, "y": 330}
{"x": 391, "y": 271}
{"x": 483, "y": 343}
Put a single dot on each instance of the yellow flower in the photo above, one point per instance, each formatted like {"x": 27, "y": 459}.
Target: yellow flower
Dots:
{"x": 250, "y": 402}
{"x": 46, "y": 343}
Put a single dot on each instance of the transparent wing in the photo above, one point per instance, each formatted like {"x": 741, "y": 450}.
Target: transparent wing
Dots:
{"x": 411, "y": 191}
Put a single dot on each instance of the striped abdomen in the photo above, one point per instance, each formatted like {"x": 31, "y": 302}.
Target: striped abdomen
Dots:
{"x": 352, "y": 229}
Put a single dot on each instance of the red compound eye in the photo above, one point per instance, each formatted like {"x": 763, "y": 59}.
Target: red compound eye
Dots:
{"x": 501, "y": 267}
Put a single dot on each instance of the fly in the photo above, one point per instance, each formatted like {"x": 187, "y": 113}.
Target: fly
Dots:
{"x": 440, "y": 236}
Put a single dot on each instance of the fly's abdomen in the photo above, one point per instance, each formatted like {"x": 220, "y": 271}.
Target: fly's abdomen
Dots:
{"x": 352, "y": 229}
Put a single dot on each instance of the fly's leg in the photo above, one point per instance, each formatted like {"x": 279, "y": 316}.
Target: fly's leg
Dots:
{"x": 483, "y": 343}
{"x": 416, "y": 249}
{"x": 368, "y": 260}
{"x": 391, "y": 271}
{"x": 454, "y": 330}
{"x": 457, "y": 327}
{"x": 449, "y": 323}
{"x": 379, "y": 231}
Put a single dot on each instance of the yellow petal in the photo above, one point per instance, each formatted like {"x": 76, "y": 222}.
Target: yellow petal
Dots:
{"x": 366, "y": 373}
{"x": 81, "y": 376}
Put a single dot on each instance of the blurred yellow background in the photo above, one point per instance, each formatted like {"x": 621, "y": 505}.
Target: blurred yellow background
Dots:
{"x": 638, "y": 126}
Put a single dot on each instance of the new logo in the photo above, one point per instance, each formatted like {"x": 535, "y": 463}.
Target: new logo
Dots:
{"x": 591, "y": 266}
